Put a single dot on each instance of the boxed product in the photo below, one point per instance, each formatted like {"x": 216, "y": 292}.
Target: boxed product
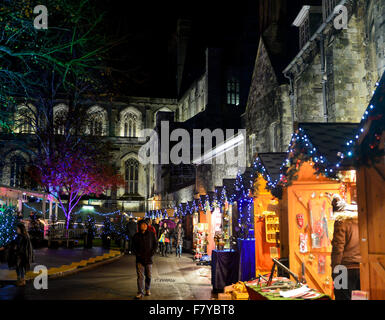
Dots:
{"x": 224, "y": 296}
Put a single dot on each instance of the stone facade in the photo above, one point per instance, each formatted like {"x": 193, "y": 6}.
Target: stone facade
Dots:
{"x": 268, "y": 116}
{"x": 354, "y": 61}
{"x": 193, "y": 101}
{"x": 120, "y": 122}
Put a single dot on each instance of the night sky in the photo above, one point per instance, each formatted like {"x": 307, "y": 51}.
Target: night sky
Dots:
{"x": 145, "y": 60}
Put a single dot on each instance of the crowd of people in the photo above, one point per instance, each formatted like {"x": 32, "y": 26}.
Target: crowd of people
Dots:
{"x": 169, "y": 235}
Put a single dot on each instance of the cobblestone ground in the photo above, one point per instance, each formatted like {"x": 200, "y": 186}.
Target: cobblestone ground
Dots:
{"x": 173, "y": 279}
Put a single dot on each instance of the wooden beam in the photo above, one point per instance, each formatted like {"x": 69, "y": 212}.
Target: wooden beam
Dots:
{"x": 363, "y": 228}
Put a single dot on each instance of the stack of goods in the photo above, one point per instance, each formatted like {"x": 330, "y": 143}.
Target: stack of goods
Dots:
{"x": 219, "y": 240}
{"x": 200, "y": 244}
{"x": 282, "y": 288}
{"x": 237, "y": 291}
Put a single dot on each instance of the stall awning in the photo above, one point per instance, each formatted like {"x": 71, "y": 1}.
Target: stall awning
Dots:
{"x": 272, "y": 162}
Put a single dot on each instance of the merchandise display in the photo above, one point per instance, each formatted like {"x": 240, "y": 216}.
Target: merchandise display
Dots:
{"x": 281, "y": 288}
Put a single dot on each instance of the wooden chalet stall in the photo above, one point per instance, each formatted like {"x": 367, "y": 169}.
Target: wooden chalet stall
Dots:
{"x": 310, "y": 175}
{"x": 370, "y": 158}
{"x": 267, "y": 212}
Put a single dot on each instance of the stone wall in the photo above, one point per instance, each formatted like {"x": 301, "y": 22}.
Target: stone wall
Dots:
{"x": 268, "y": 112}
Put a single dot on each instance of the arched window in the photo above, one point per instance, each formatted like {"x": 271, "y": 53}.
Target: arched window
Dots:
{"x": 17, "y": 169}
{"x": 24, "y": 120}
{"x": 130, "y": 124}
{"x": 131, "y": 176}
{"x": 60, "y": 118}
{"x": 97, "y": 121}
{"x": 233, "y": 91}
{"x": 96, "y": 127}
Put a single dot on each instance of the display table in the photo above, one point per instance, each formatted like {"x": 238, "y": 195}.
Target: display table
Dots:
{"x": 257, "y": 292}
{"x": 224, "y": 268}
{"x": 246, "y": 247}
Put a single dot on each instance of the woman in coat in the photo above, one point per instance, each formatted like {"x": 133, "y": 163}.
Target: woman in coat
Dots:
{"x": 20, "y": 254}
{"x": 345, "y": 247}
{"x": 179, "y": 236}
{"x": 164, "y": 239}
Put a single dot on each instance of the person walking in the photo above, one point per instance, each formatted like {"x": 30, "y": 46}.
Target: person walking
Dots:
{"x": 144, "y": 245}
{"x": 20, "y": 254}
{"x": 131, "y": 229}
{"x": 150, "y": 226}
{"x": 178, "y": 236}
{"x": 155, "y": 224}
{"x": 345, "y": 247}
{"x": 164, "y": 239}
{"x": 172, "y": 235}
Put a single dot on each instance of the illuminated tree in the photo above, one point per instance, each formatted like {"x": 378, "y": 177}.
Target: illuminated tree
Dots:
{"x": 70, "y": 174}
{"x": 38, "y": 65}
{"x": 8, "y": 223}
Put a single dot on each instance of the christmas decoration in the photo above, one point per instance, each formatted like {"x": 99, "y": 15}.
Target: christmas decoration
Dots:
{"x": 369, "y": 146}
{"x": 8, "y": 222}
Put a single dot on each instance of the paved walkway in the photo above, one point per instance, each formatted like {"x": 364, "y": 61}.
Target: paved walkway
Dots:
{"x": 173, "y": 279}
{"x": 54, "y": 258}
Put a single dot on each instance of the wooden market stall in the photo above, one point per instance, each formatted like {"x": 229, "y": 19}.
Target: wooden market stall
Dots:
{"x": 311, "y": 174}
{"x": 369, "y": 154}
{"x": 267, "y": 212}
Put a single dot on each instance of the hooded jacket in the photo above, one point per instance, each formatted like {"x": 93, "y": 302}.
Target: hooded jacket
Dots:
{"x": 346, "y": 244}
{"x": 144, "y": 246}
{"x": 20, "y": 252}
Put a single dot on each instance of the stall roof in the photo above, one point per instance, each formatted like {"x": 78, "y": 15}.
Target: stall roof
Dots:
{"x": 272, "y": 161}
{"x": 370, "y": 136}
{"x": 330, "y": 139}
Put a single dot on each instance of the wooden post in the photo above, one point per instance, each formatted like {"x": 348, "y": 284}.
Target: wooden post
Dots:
{"x": 44, "y": 207}
{"x": 56, "y": 210}
{"x": 50, "y": 210}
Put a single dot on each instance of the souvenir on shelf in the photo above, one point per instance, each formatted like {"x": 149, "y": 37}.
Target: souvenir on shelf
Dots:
{"x": 303, "y": 242}
{"x": 321, "y": 264}
{"x": 318, "y": 223}
{"x": 272, "y": 227}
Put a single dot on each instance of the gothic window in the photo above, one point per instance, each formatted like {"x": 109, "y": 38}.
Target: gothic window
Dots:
{"x": 328, "y": 7}
{"x": 273, "y": 137}
{"x": 96, "y": 127}
{"x": 25, "y": 126}
{"x": 60, "y": 118}
{"x": 131, "y": 176}
{"x": 233, "y": 91}
{"x": 304, "y": 32}
{"x": 97, "y": 121}
{"x": 17, "y": 170}
{"x": 253, "y": 145}
{"x": 24, "y": 119}
{"x": 130, "y": 125}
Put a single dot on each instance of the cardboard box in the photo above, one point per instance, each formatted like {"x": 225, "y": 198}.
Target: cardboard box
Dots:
{"x": 224, "y": 296}
{"x": 240, "y": 295}
{"x": 360, "y": 295}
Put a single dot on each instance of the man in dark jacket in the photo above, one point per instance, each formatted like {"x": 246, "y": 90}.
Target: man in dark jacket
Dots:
{"x": 346, "y": 247}
{"x": 131, "y": 229}
{"x": 144, "y": 246}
